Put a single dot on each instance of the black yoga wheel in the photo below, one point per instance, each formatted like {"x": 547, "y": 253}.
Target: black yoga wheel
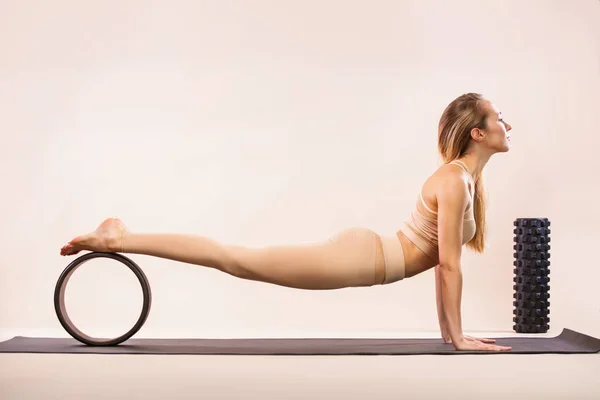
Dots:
{"x": 59, "y": 299}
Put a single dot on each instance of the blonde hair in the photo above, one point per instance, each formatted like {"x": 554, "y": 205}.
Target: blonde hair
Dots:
{"x": 454, "y": 135}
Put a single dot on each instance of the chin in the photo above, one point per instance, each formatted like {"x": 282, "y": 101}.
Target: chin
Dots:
{"x": 504, "y": 149}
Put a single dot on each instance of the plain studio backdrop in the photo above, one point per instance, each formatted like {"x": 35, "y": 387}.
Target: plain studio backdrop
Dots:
{"x": 267, "y": 122}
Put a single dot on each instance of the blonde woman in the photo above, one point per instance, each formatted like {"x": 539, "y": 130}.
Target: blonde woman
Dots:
{"x": 449, "y": 214}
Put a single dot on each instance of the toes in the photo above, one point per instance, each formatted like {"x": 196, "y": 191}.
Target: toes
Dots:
{"x": 68, "y": 249}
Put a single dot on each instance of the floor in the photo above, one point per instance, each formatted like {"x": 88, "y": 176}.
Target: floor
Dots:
{"x": 498, "y": 376}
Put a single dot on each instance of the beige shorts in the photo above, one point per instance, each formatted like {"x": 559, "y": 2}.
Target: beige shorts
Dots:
{"x": 367, "y": 258}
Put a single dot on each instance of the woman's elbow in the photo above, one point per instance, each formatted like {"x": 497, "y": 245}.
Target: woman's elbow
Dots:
{"x": 449, "y": 266}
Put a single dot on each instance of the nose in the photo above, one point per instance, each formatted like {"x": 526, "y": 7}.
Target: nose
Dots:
{"x": 508, "y": 127}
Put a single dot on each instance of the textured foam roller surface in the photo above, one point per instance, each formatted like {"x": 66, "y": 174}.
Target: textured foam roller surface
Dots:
{"x": 568, "y": 342}
{"x": 531, "y": 313}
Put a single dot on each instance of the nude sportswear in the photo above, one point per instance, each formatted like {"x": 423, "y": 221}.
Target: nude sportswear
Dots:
{"x": 422, "y": 229}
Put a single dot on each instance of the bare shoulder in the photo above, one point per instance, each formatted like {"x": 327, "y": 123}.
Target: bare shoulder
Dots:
{"x": 451, "y": 175}
{"x": 452, "y": 188}
{"x": 446, "y": 184}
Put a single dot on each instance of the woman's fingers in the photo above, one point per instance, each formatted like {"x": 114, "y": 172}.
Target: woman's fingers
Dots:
{"x": 483, "y": 340}
{"x": 477, "y": 345}
{"x": 494, "y": 347}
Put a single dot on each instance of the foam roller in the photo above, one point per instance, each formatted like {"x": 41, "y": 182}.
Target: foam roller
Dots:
{"x": 531, "y": 275}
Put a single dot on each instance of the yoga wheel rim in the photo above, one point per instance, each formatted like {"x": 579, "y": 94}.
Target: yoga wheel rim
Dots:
{"x": 59, "y": 299}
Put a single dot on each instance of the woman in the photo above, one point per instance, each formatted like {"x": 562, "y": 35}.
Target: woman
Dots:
{"x": 449, "y": 213}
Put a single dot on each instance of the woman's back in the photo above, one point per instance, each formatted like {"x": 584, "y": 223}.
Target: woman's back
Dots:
{"x": 419, "y": 234}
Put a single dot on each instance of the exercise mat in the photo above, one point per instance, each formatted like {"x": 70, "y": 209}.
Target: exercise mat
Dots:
{"x": 568, "y": 342}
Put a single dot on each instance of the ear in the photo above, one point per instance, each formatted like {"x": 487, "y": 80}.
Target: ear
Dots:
{"x": 477, "y": 134}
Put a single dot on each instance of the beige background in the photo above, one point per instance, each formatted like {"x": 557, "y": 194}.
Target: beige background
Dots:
{"x": 267, "y": 122}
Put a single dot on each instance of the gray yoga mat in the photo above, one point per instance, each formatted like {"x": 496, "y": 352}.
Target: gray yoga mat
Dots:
{"x": 568, "y": 342}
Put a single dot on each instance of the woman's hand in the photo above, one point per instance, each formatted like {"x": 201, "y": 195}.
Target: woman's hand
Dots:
{"x": 470, "y": 343}
{"x": 448, "y": 339}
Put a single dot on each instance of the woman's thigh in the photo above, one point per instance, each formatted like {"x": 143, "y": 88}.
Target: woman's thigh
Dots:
{"x": 351, "y": 258}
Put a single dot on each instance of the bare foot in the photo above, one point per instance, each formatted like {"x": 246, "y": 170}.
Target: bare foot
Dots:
{"x": 108, "y": 237}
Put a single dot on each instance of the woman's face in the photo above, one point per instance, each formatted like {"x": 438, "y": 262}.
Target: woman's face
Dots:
{"x": 496, "y": 133}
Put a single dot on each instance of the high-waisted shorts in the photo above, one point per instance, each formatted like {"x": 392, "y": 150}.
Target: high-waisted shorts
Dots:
{"x": 394, "y": 267}
{"x": 365, "y": 258}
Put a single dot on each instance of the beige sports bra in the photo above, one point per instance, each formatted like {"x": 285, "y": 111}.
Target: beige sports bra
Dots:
{"x": 422, "y": 229}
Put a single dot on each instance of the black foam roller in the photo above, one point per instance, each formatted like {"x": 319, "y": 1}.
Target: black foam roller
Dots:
{"x": 531, "y": 275}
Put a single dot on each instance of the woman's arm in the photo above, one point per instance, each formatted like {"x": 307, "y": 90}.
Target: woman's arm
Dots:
{"x": 452, "y": 199}
{"x": 452, "y": 202}
{"x": 440, "y": 305}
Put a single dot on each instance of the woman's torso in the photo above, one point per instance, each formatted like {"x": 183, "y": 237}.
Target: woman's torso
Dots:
{"x": 416, "y": 259}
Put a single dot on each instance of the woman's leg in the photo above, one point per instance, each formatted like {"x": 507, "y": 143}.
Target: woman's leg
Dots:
{"x": 352, "y": 258}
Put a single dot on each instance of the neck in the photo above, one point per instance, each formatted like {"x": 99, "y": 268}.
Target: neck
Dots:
{"x": 475, "y": 162}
